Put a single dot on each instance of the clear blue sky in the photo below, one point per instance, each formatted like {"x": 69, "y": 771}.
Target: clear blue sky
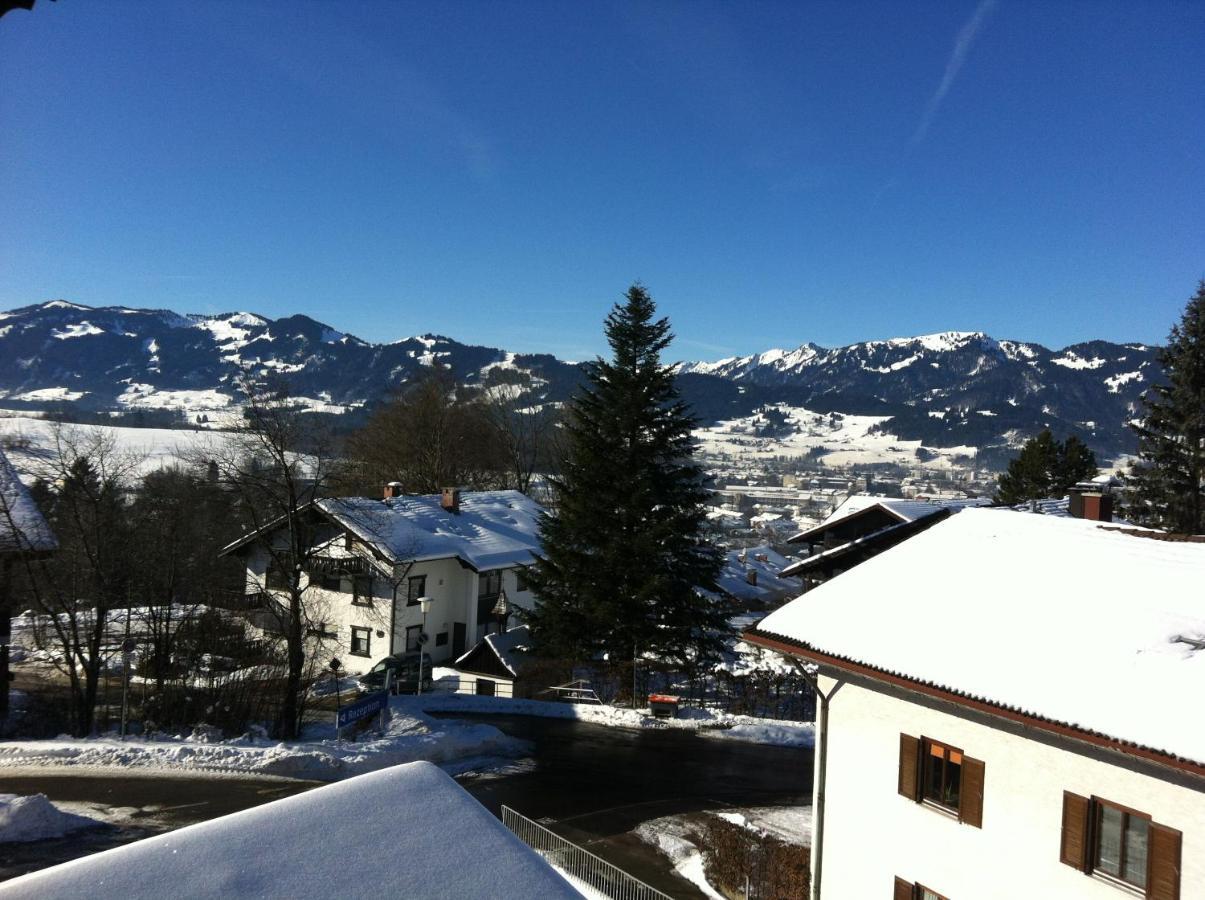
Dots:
{"x": 500, "y": 171}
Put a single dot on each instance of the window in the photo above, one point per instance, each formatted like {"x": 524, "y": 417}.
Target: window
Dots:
{"x": 489, "y": 583}
{"x": 521, "y": 582}
{"x": 1104, "y": 838}
{"x": 277, "y": 578}
{"x": 941, "y": 775}
{"x": 361, "y": 641}
{"x": 441, "y": 639}
{"x": 416, "y": 586}
{"x": 485, "y": 687}
{"x": 361, "y": 590}
{"x": 330, "y": 581}
{"x": 412, "y": 634}
{"x": 322, "y": 630}
{"x": 906, "y": 890}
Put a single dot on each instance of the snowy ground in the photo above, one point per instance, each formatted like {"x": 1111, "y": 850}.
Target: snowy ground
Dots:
{"x": 678, "y": 839}
{"x": 408, "y": 736}
{"x": 709, "y": 723}
{"x": 844, "y": 440}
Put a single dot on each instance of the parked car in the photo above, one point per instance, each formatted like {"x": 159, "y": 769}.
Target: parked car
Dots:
{"x": 405, "y": 674}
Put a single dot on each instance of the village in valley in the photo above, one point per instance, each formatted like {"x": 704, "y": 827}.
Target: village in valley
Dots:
{"x": 554, "y": 606}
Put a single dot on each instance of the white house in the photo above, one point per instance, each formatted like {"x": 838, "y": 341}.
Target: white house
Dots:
{"x": 1011, "y": 706}
{"x": 373, "y": 559}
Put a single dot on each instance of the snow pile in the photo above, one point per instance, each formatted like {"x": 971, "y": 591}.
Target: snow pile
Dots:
{"x": 1056, "y": 603}
{"x": 677, "y": 842}
{"x": 706, "y": 722}
{"x": 349, "y": 840}
{"x": 34, "y": 818}
{"x": 409, "y": 736}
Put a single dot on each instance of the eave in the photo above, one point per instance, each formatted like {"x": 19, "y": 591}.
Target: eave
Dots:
{"x": 804, "y": 651}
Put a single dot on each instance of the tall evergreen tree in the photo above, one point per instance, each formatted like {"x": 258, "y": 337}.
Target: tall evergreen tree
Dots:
{"x": 1045, "y": 468}
{"x": 1169, "y": 482}
{"x": 624, "y": 556}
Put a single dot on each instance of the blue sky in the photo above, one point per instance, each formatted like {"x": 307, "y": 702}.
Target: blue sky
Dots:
{"x": 500, "y": 171}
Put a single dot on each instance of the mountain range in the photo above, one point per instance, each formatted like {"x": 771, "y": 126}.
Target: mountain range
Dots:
{"x": 948, "y": 389}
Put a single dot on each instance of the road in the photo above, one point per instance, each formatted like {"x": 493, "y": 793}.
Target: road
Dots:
{"x": 591, "y": 783}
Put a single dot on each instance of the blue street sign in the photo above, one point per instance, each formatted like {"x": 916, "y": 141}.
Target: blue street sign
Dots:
{"x": 365, "y": 706}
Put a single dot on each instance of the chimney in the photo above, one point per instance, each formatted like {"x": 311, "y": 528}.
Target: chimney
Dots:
{"x": 450, "y": 499}
{"x": 393, "y": 489}
{"x": 751, "y": 577}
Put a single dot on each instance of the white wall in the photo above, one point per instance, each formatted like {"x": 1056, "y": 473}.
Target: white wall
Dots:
{"x": 872, "y": 834}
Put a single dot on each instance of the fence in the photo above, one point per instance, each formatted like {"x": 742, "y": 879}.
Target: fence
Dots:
{"x": 579, "y": 862}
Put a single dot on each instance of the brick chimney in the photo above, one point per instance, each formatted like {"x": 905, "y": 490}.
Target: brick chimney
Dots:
{"x": 450, "y": 499}
{"x": 393, "y": 489}
{"x": 751, "y": 577}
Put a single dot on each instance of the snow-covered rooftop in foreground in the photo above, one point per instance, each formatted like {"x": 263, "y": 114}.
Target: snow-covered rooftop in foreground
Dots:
{"x": 22, "y": 527}
{"x": 494, "y": 529}
{"x": 1064, "y": 619}
{"x": 409, "y": 831}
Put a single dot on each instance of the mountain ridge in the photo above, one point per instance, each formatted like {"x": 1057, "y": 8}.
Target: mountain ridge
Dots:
{"x": 953, "y": 388}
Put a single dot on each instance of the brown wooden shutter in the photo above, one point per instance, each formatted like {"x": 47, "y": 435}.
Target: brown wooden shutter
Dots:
{"x": 1163, "y": 881}
{"x": 903, "y": 890}
{"x": 970, "y": 796}
{"x": 1074, "y": 845}
{"x": 909, "y": 784}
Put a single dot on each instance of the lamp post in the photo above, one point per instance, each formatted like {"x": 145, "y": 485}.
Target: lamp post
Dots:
{"x": 424, "y": 603}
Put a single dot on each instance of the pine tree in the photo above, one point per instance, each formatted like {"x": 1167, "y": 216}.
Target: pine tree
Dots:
{"x": 1046, "y": 468}
{"x": 623, "y": 553}
{"x": 1169, "y": 482}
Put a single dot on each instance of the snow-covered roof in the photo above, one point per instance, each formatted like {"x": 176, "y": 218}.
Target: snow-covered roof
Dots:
{"x": 346, "y": 840}
{"x": 492, "y": 530}
{"x": 22, "y": 527}
{"x": 766, "y": 562}
{"x": 906, "y": 510}
{"x": 1066, "y": 620}
{"x": 511, "y": 647}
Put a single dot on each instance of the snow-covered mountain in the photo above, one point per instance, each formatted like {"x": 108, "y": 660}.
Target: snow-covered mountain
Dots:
{"x": 954, "y": 389}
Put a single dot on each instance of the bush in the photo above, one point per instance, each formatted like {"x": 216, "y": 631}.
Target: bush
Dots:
{"x": 770, "y": 868}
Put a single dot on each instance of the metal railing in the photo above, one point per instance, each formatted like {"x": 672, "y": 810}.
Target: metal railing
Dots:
{"x": 578, "y": 862}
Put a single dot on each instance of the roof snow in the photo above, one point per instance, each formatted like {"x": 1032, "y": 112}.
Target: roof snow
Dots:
{"x": 767, "y": 563}
{"x": 511, "y": 648}
{"x": 494, "y": 529}
{"x": 343, "y": 839}
{"x": 1071, "y": 621}
{"x": 22, "y": 528}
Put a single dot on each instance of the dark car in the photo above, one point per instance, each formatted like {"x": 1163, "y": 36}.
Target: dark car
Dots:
{"x": 405, "y": 674}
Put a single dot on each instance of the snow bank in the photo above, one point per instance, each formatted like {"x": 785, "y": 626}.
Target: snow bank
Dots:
{"x": 704, "y": 721}
{"x": 359, "y": 838}
{"x": 409, "y": 736}
{"x": 34, "y": 818}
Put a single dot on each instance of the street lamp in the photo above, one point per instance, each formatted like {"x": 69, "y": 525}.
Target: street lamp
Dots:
{"x": 424, "y": 603}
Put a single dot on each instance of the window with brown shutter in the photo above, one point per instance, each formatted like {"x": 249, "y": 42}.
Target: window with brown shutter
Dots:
{"x": 970, "y": 801}
{"x": 909, "y": 783}
{"x": 1122, "y": 845}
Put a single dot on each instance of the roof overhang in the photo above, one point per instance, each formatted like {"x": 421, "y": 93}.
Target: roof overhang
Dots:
{"x": 807, "y": 536}
{"x": 804, "y": 651}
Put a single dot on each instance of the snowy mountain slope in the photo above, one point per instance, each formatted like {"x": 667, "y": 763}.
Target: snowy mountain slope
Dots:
{"x": 951, "y": 390}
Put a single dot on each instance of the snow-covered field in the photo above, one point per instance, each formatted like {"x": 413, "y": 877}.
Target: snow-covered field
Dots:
{"x": 157, "y": 447}
{"x": 844, "y": 440}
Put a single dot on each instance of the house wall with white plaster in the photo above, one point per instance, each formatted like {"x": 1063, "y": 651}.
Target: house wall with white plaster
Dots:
{"x": 872, "y": 834}
{"x": 452, "y": 587}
